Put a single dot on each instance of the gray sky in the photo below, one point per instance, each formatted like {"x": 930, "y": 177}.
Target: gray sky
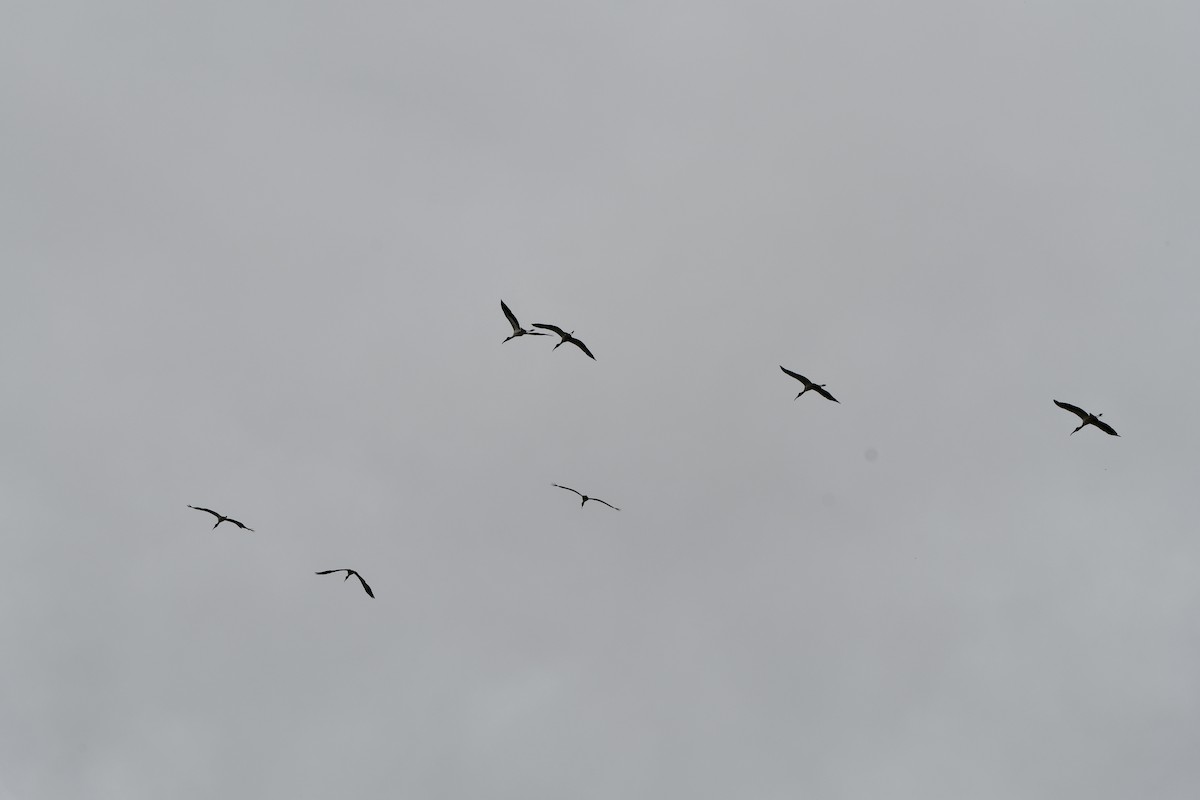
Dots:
{"x": 253, "y": 255}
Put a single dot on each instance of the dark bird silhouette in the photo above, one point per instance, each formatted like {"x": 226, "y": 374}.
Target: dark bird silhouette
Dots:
{"x": 566, "y": 337}
{"x": 221, "y": 518}
{"x": 819, "y": 388}
{"x": 516, "y": 326}
{"x": 1088, "y": 419}
{"x": 586, "y": 498}
{"x": 350, "y": 572}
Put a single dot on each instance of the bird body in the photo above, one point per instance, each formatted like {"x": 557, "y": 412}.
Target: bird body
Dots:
{"x": 585, "y": 497}
{"x": 222, "y": 518}
{"x": 1088, "y": 419}
{"x": 565, "y": 338}
{"x": 819, "y": 388}
{"x": 516, "y": 326}
{"x": 350, "y": 572}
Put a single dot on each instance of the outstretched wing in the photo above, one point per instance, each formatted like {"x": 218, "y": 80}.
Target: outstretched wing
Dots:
{"x": 568, "y": 488}
{"x": 331, "y": 571}
{"x": 554, "y": 328}
{"x": 796, "y": 375}
{"x": 1104, "y": 426}
{"x": 610, "y": 505}
{"x": 364, "y": 583}
{"x": 582, "y": 347}
{"x": 825, "y": 394}
{"x": 209, "y": 510}
{"x": 240, "y": 525}
{"x": 1076, "y": 410}
{"x": 512, "y": 319}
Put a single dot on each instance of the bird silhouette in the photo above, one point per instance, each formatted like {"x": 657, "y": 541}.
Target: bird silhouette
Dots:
{"x": 819, "y": 388}
{"x": 566, "y": 337}
{"x": 350, "y": 572}
{"x": 516, "y": 326}
{"x": 221, "y": 518}
{"x": 1088, "y": 419}
{"x": 585, "y": 497}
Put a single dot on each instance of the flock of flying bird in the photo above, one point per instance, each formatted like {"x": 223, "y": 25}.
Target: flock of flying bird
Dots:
{"x": 569, "y": 338}
{"x": 222, "y": 518}
{"x": 563, "y": 335}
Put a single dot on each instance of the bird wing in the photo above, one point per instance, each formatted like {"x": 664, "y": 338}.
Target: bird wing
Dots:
{"x": 554, "y": 328}
{"x": 568, "y": 488}
{"x": 582, "y": 347}
{"x": 1104, "y": 426}
{"x": 512, "y": 319}
{"x": 209, "y": 510}
{"x": 364, "y": 583}
{"x": 825, "y": 394}
{"x": 330, "y": 571}
{"x": 240, "y": 525}
{"x": 610, "y": 505}
{"x": 1076, "y": 410}
{"x": 796, "y": 375}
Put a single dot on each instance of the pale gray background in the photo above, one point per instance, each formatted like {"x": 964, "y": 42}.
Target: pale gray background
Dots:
{"x": 253, "y": 255}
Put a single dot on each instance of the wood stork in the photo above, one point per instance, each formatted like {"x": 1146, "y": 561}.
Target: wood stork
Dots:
{"x": 221, "y": 518}
{"x": 566, "y": 337}
{"x": 585, "y": 497}
{"x": 819, "y": 388}
{"x": 1088, "y": 419}
{"x": 516, "y": 326}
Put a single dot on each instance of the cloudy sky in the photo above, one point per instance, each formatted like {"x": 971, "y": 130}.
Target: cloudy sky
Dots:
{"x": 253, "y": 255}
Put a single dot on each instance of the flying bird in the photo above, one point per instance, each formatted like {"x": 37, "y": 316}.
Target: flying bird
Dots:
{"x": 516, "y": 326}
{"x": 819, "y": 388}
{"x": 350, "y": 572}
{"x": 1088, "y": 419}
{"x": 566, "y": 337}
{"x": 221, "y": 518}
{"x": 586, "y": 498}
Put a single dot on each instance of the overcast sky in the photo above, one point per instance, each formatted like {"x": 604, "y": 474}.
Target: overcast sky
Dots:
{"x": 252, "y": 258}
